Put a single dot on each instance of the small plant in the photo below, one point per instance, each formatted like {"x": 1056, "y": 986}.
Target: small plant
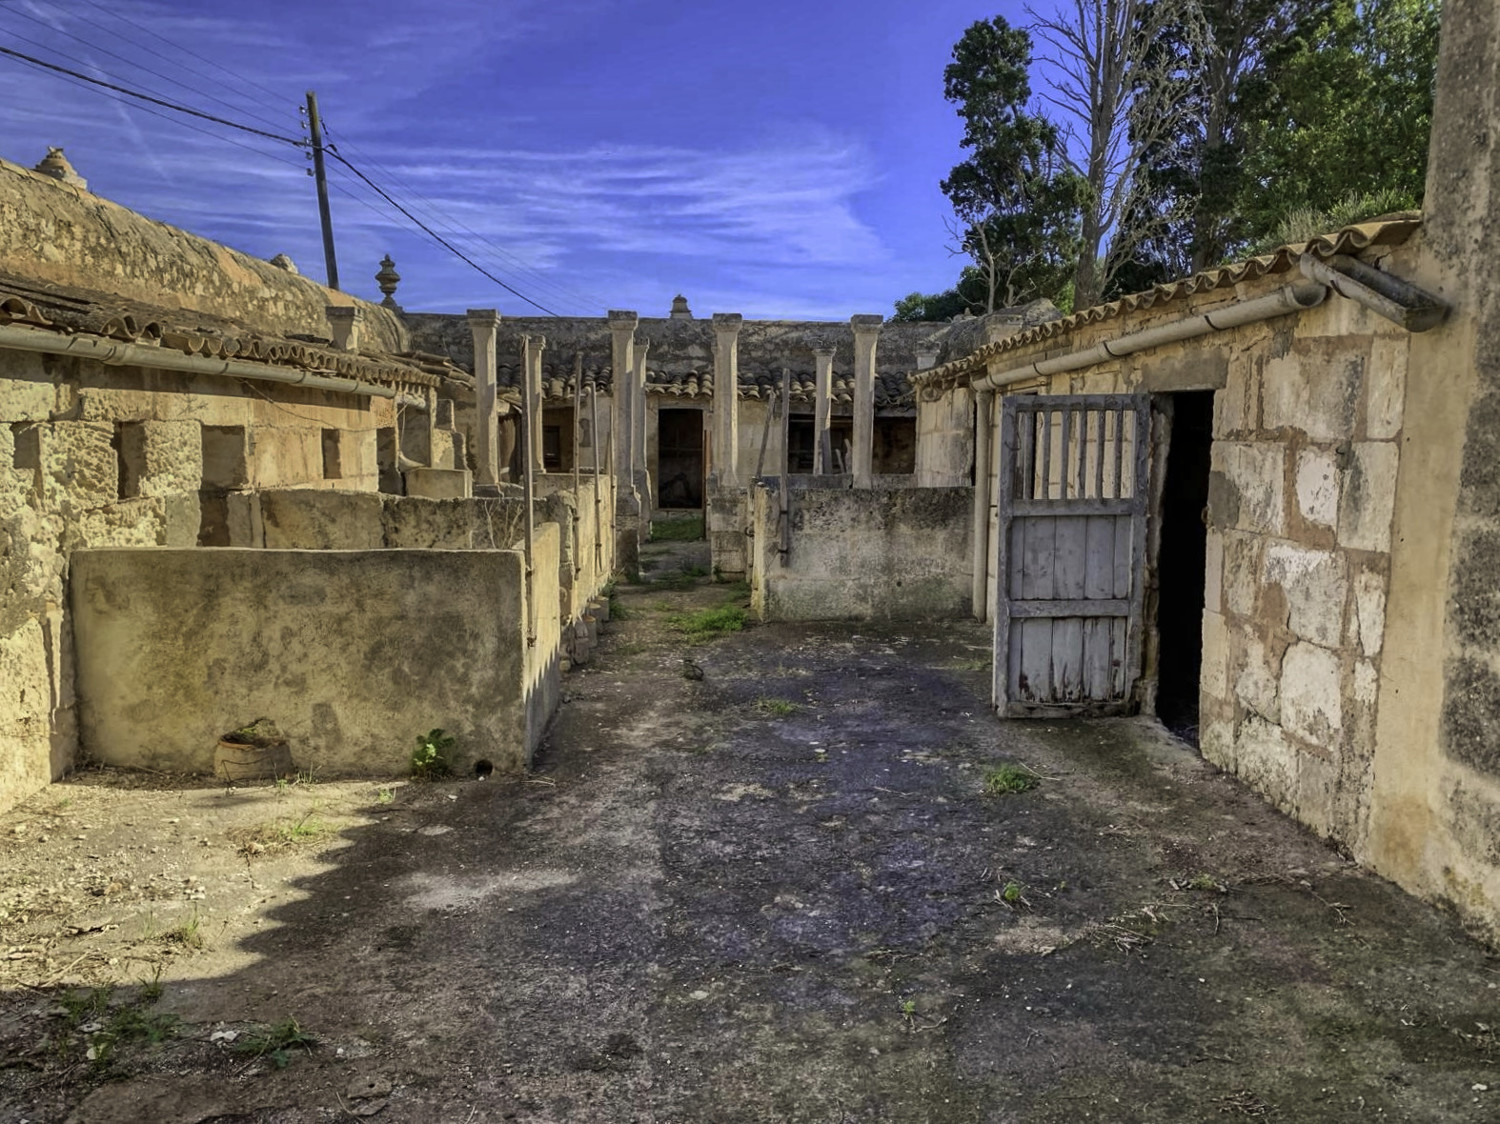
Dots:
{"x": 692, "y": 571}
{"x": 275, "y": 1042}
{"x": 188, "y": 932}
{"x": 1005, "y": 780}
{"x": 1207, "y": 883}
{"x": 151, "y": 990}
{"x": 777, "y": 708}
{"x": 709, "y": 622}
{"x": 677, "y": 530}
{"x": 1012, "y": 894}
{"x": 385, "y": 794}
{"x": 909, "y": 1012}
{"x": 430, "y": 759}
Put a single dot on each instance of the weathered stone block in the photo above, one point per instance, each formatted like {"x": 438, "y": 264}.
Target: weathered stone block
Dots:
{"x": 1471, "y": 714}
{"x": 1213, "y": 578}
{"x": 1318, "y": 487}
{"x": 1475, "y": 605}
{"x": 1315, "y": 587}
{"x": 315, "y": 519}
{"x": 1256, "y": 668}
{"x": 1266, "y": 761}
{"x": 1369, "y": 607}
{"x": 1316, "y": 393}
{"x": 79, "y": 467}
{"x": 1247, "y": 486}
{"x": 439, "y": 483}
{"x": 1312, "y": 703}
{"x": 1369, "y": 496}
{"x": 1242, "y": 568}
{"x": 1214, "y": 680}
{"x": 1385, "y": 387}
{"x": 173, "y": 458}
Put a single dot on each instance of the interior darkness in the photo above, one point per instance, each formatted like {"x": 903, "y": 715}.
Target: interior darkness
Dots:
{"x": 1182, "y": 562}
{"x": 679, "y": 458}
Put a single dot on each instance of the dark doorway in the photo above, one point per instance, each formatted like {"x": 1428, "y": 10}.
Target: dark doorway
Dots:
{"x": 800, "y": 440}
{"x": 679, "y": 458}
{"x": 1182, "y": 563}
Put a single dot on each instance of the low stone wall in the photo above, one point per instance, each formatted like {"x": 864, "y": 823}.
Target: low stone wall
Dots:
{"x": 868, "y": 554}
{"x": 352, "y": 653}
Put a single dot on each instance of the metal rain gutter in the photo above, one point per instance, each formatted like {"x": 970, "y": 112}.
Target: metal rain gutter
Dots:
{"x": 1297, "y": 297}
{"x": 1385, "y": 295}
{"x": 158, "y": 358}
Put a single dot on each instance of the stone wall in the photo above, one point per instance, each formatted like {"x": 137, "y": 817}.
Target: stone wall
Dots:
{"x": 876, "y": 554}
{"x": 945, "y": 439}
{"x": 352, "y": 654}
{"x": 94, "y": 456}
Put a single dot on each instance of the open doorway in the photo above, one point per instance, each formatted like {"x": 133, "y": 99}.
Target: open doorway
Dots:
{"x": 1182, "y": 562}
{"x": 679, "y": 458}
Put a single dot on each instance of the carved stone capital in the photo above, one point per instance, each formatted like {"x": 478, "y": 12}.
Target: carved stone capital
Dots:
{"x": 866, "y": 322}
{"x": 622, "y": 320}
{"x": 482, "y": 317}
{"x": 727, "y": 322}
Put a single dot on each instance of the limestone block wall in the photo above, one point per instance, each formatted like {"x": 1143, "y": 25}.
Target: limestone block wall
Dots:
{"x": 1308, "y": 421}
{"x": 945, "y": 438}
{"x": 352, "y": 653}
{"x": 866, "y": 554}
{"x": 1306, "y": 451}
{"x": 94, "y": 456}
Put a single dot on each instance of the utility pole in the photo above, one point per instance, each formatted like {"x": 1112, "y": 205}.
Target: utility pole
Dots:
{"x": 315, "y": 127}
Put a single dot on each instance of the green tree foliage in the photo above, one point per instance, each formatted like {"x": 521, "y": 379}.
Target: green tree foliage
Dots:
{"x": 1016, "y": 201}
{"x": 1343, "y": 107}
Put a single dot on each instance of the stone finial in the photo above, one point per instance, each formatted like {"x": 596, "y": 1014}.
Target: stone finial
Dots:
{"x": 343, "y": 322}
{"x": 866, "y": 322}
{"x": 680, "y": 309}
{"x": 56, "y": 165}
{"x": 623, "y": 319}
{"x": 282, "y": 261}
{"x": 727, "y": 321}
{"x": 388, "y": 279}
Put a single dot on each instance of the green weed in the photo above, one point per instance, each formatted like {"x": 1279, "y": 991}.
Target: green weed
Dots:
{"x": 385, "y": 794}
{"x": 1003, "y": 780}
{"x": 275, "y": 1042}
{"x": 677, "y": 530}
{"x": 777, "y": 708}
{"x": 430, "y": 759}
{"x": 709, "y": 622}
{"x": 187, "y": 932}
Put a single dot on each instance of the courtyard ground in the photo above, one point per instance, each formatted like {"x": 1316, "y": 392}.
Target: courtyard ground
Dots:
{"x": 792, "y": 889}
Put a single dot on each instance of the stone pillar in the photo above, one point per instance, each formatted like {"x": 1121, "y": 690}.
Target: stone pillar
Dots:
{"x": 984, "y": 427}
{"x": 641, "y": 468}
{"x": 727, "y": 398}
{"x": 483, "y": 323}
{"x": 531, "y": 370}
{"x": 622, "y": 327}
{"x": 866, "y": 333}
{"x": 822, "y": 408}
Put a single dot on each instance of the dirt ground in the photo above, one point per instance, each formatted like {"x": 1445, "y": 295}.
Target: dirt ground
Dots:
{"x": 780, "y": 892}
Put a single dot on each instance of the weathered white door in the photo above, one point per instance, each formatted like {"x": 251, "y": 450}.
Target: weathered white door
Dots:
{"x": 1072, "y": 493}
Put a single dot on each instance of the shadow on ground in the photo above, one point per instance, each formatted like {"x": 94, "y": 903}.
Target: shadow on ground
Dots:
{"x": 780, "y": 891}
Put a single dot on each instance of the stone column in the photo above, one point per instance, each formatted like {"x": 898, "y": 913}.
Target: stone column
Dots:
{"x": 727, "y": 398}
{"x": 822, "y": 408}
{"x": 531, "y": 369}
{"x": 622, "y": 327}
{"x": 866, "y": 332}
{"x": 984, "y": 426}
{"x": 638, "y": 442}
{"x": 483, "y": 323}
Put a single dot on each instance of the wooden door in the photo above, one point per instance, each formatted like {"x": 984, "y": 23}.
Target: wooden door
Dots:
{"x": 1072, "y": 499}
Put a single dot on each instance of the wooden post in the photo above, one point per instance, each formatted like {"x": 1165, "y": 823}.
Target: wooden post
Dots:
{"x": 315, "y": 129}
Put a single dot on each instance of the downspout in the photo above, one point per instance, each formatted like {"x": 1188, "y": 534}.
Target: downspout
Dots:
{"x": 983, "y": 429}
{"x": 1296, "y": 297}
{"x": 162, "y": 359}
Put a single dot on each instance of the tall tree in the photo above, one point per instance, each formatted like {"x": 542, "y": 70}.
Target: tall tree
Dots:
{"x": 1122, "y": 101}
{"x": 1343, "y": 107}
{"x": 1015, "y": 199}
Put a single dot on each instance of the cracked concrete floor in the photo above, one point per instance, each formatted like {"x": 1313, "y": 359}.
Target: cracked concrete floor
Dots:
{"x": 780, "y": 893}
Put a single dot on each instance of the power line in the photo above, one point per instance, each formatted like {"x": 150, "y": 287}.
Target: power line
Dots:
{"x": 517, "y": 263}
{"x": 436, "y": 237}
{"x": 177, "y": 108}
{"x": 128, "y": 62}
{"x": 148, "y": 98}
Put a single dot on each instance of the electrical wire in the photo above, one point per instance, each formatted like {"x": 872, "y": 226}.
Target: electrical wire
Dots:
{"x": 131, "y": 62}
{"x": 148, "y": 98}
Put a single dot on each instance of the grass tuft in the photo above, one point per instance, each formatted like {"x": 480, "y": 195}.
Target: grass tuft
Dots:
{"x": 1005, "y": 780}
{"x": 777, "y": 708}
{"x": 710, "y": 622}
{"x": 677, "y": 530}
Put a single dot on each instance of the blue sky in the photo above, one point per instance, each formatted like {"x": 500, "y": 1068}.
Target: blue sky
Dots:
{"x": 772, "y": 158}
